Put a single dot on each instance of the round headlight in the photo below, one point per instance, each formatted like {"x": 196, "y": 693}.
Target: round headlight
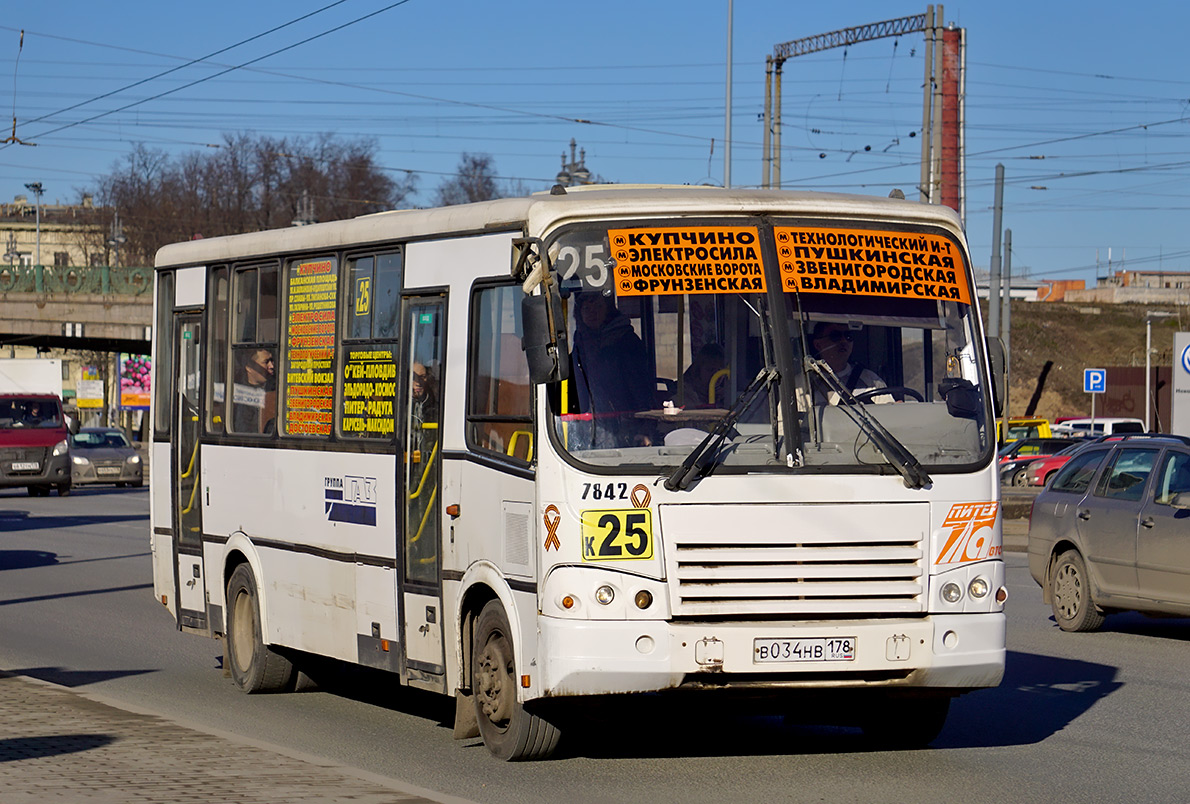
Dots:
{"x": 951, "y": 592}
{"x": 643, "y": 599}
{"x": 605, "y": 595}
{"x": 978, "y": 588}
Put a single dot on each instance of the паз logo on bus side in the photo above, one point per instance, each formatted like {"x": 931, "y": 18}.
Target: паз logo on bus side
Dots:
{"x": 970, "y": 538}
{"x": 350, "y": 499}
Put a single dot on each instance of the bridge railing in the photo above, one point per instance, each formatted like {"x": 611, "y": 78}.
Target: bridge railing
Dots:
{"x": 97, "y": 279}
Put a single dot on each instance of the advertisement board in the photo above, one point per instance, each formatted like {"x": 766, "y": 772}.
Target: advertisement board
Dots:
{"x": 134, "y": 382}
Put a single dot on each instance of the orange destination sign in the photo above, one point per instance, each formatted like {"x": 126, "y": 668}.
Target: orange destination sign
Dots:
{"x": 869, "y": 262}
{"x": 696, "y": 259}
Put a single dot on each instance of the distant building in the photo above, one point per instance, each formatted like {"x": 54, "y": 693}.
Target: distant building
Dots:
{"x": 1030, "y": 290}
{"x": 70, "y": 234}
{"x": 1143, "y": 287}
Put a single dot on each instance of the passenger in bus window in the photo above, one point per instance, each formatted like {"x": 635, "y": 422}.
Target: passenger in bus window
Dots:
{"x": 833, "y": 343}
{"x": 423, "y": 392}
{"x": 255, "y": 392}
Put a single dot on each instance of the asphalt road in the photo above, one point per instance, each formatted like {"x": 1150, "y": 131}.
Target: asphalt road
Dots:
{"x": 1079, "y": 717}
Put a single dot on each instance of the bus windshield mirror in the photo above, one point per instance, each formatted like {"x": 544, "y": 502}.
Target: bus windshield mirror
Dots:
{"x": 894, "y": 451}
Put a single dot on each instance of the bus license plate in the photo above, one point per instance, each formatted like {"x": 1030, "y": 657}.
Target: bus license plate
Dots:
{"x": 817, "y": 649}
{"x": 26, "y": 466}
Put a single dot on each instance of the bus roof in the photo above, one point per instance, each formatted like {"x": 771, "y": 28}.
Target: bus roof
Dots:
{"x": 542, "y": 210}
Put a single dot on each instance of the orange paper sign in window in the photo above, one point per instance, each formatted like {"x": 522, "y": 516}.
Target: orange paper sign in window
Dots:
{"x": 696, "y": 259}
{"x": 868, "y": 262}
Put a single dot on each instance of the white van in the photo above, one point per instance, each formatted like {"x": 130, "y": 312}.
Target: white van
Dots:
{"x": 1102, "y": 426}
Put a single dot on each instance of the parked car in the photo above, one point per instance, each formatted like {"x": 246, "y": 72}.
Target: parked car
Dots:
{"x": 1015, "y": 456}
{"x": 104, "y": 455}
{"x": 1077, "y": 428}
{"x": 1024, "y": 428}
{"x": 1038, "y": 472}
{"x": 1112, "y": 531}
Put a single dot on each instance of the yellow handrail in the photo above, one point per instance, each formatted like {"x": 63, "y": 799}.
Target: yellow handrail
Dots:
{"x": 512, "y": 443}
{"x": 426, "y": 472}
{"x": 723, "y": 372}
{"x": 189, "y": 471}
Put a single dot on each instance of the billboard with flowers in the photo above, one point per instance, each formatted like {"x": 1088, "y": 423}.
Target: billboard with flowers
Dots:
{"x": 134, "y": 382}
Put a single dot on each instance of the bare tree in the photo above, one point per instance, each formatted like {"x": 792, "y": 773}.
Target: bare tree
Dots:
{"x": 249, "y": 183}
{"x": 475, "y": 181}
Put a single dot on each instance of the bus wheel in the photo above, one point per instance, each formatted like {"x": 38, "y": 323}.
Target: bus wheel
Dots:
{"x": 254, "y": 666}
{"x": 908, "y": 722}
{"x": 509, "y": 732}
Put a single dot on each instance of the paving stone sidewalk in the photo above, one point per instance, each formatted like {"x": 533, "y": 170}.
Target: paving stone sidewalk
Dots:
{"x": 60, "y": 746}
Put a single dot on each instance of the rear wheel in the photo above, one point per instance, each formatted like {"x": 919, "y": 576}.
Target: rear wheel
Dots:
{"x": 509, "y": 732}
{"x": 254, "y": 666}
{"x": 1070, "y": 594}
{"x": 910, "y": 722}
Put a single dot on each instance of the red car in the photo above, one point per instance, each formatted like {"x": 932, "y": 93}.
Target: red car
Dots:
{"x": 1039, "y": 471}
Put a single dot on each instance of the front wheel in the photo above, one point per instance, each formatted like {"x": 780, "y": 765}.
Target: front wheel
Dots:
{"x": 254, "y": 666}
{"x": 63, "y": 489}
{"x": 1020, "y": 478}
{"x": 509, "y": 732}
{"x": 1070, "y": 594}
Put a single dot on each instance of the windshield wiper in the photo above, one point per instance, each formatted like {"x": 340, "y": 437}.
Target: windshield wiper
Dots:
{"x": 894, "y": 451}
{"x": 696, "y": 462}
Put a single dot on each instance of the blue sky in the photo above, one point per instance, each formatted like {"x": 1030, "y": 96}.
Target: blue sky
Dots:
{"x": 1089, "y": 101}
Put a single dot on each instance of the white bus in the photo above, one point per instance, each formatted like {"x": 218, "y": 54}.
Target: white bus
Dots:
{"x": 594, "y": 442}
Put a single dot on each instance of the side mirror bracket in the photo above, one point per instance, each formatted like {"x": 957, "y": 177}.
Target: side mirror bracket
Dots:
{"x": 544, "y": 339}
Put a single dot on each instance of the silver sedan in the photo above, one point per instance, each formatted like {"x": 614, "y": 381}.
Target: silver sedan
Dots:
{"x": 104, "y": 455}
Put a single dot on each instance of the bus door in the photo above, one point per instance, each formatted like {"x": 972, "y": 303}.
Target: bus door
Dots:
{"x": 423, "y": 339}
{"x": 187, "y": 494}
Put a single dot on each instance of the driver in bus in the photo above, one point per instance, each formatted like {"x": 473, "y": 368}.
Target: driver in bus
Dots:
{"x": 833, "y": 344}
{"x": 611, "y": 370}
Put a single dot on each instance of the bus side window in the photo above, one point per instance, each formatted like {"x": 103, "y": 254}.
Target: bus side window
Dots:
{"x": 371, "y": 326}
{"x": 217, "y": 353}
{"x": 253, "y": 380}
{"x": 500, "y": 408}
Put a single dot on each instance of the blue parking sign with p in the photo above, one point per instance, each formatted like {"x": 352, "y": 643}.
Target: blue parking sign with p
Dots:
{"x": 1095, "y": 380}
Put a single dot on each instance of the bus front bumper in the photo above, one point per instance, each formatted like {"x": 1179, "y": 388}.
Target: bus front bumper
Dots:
{"x": 955, "y": 651}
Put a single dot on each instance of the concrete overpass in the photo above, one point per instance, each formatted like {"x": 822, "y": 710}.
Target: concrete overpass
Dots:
{"x": 98, "y": 307}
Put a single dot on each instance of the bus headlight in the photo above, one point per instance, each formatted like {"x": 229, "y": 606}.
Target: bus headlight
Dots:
{"x": 978, "y": 588}
{"x": 951, "y": 592}
{"x": 605, "y": 595}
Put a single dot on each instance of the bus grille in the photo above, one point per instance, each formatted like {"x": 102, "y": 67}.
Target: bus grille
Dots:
{"x": 800, "y": 569}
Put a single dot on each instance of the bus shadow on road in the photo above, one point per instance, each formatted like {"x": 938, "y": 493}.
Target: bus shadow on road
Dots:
{"x": 26, "y": 559}
{"x": 13, "y": 524}
{"x": 15, "y": 749}
{"x": 1040, "y": 696}
{"x": 65, "y": 677}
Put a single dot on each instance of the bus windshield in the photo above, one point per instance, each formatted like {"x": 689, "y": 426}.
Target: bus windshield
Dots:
{"x": 671, "y": 321}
